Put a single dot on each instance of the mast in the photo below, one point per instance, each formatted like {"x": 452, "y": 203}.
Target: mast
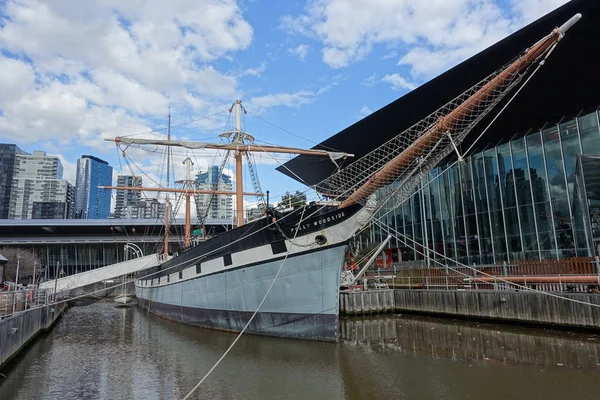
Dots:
{"x": 239, "y": 187}
{"x": 444, "y": 125}
{"x": 167, "y": 204}
{"x": 187, "y": 241}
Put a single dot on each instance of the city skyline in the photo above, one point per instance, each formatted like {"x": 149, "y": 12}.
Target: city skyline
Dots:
{"x": 73, "y": 203}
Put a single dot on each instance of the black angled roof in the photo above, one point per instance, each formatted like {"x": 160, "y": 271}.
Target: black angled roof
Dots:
{"x": 566, "y": 86}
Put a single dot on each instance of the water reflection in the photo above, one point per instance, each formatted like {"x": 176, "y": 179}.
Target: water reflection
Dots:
{"x": 468, "y": 341}
{"x": 100, "y": 352}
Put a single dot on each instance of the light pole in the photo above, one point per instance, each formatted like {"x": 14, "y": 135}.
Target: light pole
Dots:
{"x": 18, "y": 263}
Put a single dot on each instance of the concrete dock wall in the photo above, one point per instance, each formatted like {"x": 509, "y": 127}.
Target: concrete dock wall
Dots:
{"x": 20, "y": 329}
{"x": 525, "y": 307}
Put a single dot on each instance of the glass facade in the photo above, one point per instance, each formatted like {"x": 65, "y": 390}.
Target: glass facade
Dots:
{"x": 8, "y": 152}
{"x": 90, "y": 201}
{"x": 515, "y": 201}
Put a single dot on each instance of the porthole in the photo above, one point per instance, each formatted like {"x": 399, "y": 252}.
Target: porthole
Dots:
{"x": 320, "y": 240}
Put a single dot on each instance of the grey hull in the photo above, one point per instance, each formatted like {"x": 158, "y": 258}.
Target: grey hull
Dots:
{"x": 302, "y": 304}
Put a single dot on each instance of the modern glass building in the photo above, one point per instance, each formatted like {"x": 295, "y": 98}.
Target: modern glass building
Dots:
{"x": 91, "y": 202}
{"x": 513, "y": 201}
{"x": 8, "y": 152}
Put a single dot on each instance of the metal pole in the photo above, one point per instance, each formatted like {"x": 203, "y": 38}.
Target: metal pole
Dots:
{"x": 18, "y": 263}
{"x": 55, "y": 281}
{"x": 34, "y": 262}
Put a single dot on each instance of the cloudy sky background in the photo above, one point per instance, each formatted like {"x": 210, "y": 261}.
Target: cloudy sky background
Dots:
{"x": 73, "y": 73}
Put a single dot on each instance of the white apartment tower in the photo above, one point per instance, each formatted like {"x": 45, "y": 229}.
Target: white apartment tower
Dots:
{"x": 38, "y": 188}
{"x": 219, "y": 206}
{"x": 127, "y": 201}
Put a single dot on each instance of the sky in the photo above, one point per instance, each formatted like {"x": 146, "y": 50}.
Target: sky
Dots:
{"x": 73, "y": 73}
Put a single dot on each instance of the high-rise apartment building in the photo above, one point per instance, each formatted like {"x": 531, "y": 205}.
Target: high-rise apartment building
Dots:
{"x": 37, "y": 185}
{"x": 90, "y": 201}
{"x": 7, "y": 165}
{"x": 128, "y": 200}
{"x": 145, "y": 209}
{"x": 154, "y": 209}
{"x": 219, "y": 206}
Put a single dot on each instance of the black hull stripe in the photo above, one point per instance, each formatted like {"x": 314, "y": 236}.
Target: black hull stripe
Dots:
{"x": 249, "y": 265}
{"x": 256, "y": 234}
{"x": 322, "y": 327}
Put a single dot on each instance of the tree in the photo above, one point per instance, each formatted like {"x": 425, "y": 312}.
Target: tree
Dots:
{"x": 295, "y": 200}
{"x": 27, "y": 261}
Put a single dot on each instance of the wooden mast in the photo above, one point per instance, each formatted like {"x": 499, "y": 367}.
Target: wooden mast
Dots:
{"x": 239, "y": 187}
{"x": 167, "y": 204}
{"x": 426, "y": 141}
{"x": 187, "y": 238}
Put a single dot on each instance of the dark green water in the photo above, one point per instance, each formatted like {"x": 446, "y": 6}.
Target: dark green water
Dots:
{"x": 103, "y": 352}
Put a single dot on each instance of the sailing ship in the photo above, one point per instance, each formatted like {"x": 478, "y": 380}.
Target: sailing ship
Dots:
{"x": 279, "y": 275}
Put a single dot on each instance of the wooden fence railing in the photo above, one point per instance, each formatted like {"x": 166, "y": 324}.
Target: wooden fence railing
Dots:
{"x": 421, "y": 276}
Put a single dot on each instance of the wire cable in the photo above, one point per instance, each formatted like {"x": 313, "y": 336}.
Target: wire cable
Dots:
{"x": 249, "y": 321}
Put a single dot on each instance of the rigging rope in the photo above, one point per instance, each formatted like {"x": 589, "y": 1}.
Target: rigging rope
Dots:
{"x": 251, "y": 318}
{"x": 292, "y": 133}
{"x": 175, "y": 126}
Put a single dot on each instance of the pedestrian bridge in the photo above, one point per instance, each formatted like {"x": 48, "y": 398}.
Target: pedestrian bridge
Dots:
{"x": 101, "y": 274}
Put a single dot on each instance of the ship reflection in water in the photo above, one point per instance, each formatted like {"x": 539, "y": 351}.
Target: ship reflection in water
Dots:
{"x": 102, "y": 352}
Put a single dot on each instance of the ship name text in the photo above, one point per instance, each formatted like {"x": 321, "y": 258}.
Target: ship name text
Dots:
{"x": 319, "y": 222}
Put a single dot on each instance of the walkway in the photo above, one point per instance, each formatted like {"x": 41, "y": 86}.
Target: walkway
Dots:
{"x": 101, "y": 274}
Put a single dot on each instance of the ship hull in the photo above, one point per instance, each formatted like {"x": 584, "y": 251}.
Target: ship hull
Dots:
{"x": 302, "y": 304}
{"x": 221, "y": 283}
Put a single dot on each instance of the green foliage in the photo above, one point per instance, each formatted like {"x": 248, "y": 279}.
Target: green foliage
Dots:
{"x": 295, "y": 200}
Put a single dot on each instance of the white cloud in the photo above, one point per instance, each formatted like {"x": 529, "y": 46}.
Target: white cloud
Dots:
{"x": 256, "y": 71}
{"x": 294, "y": 100}
{"x": 370, "y": 81}
{"x": 301, "y": 51}
{"x": 69, "y": 169}
{"x": 16, "y": 79}
{"x": 398, "y": 82}
{"x": 364, "y": 111}
{"x": 101, "y": 68}
{"x": 530, "y": 10}
{"x": 349, "y": 29}
{"x": 388, "y": 56}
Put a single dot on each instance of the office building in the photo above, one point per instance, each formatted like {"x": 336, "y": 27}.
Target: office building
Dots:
{"x": 90, "y": 201}
{"x": 7, "y": 165}
{"x": 514, "y": 201}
